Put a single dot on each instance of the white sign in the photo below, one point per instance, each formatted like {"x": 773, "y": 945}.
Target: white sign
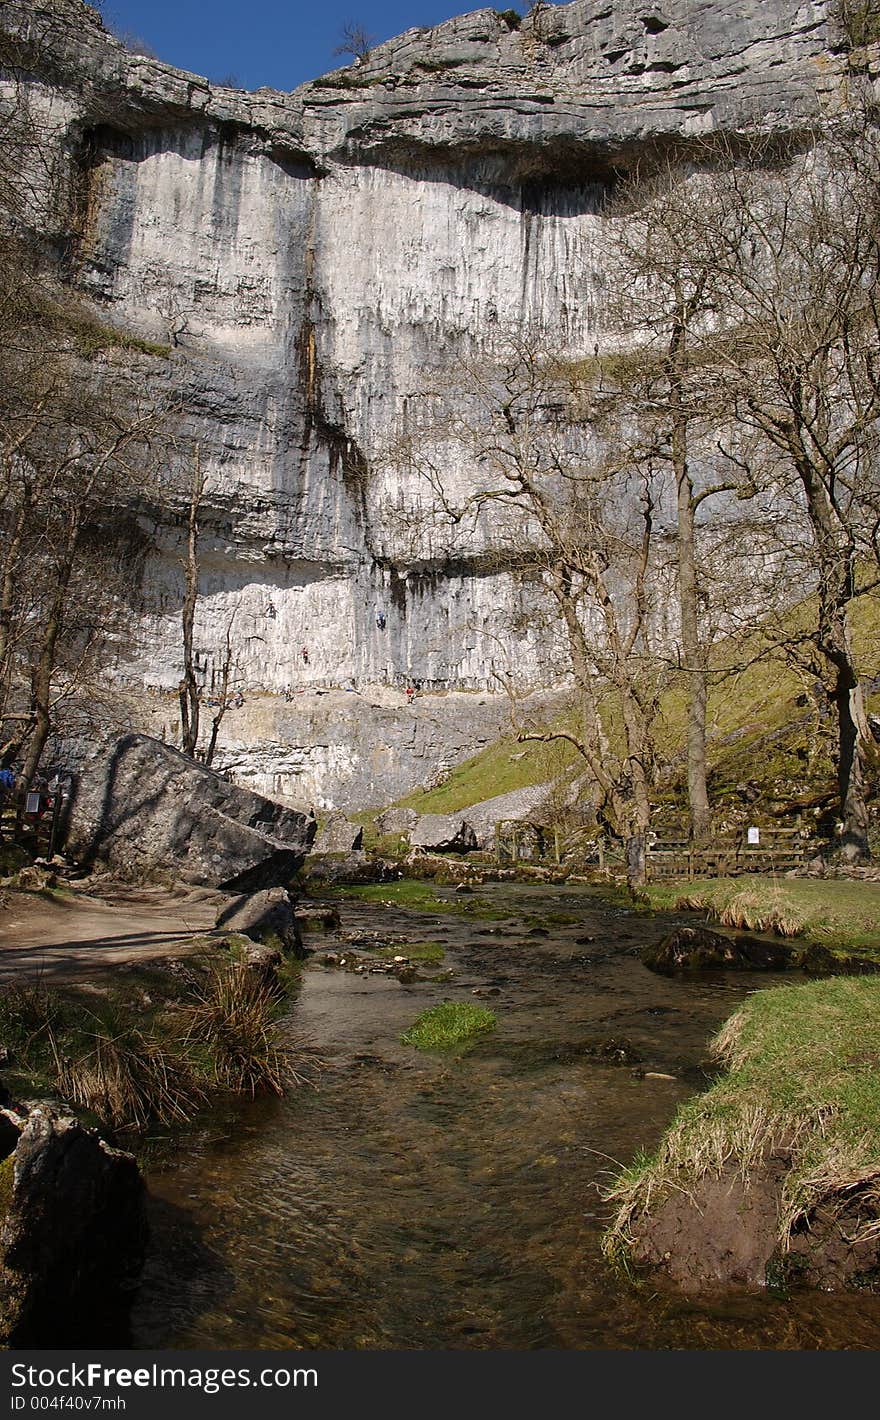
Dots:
{"x": 754, "y": 835}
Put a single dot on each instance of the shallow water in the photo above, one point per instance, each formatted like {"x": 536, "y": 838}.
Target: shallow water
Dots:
{"x": 420, "y": 1201}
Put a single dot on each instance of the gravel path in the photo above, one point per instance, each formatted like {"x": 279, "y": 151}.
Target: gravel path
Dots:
{"x": 75, "y": 934}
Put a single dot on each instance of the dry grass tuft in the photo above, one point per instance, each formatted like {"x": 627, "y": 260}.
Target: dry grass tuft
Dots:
{"x": 127, "y": 1078}
{"x": 235, "y": 1016}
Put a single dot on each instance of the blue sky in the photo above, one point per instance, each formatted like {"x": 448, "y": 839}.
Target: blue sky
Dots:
{"x": 276, "y": 42}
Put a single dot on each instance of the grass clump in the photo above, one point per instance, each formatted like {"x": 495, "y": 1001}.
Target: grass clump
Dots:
{"x": 234, "y": 1015}
{"x": 802, "y": 1081}
{"x": 127, "y": 1077}
{"x": 841, "y": 915}
{"x": 449, "y": 1025}
{"x": 152, "y": 1045}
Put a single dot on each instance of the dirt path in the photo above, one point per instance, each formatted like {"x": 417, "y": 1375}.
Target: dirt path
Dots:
{"x": 77, "y": 934}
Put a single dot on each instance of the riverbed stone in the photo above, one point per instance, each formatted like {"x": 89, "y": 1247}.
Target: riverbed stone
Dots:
{"x": 267, "y": 917}
{"x": 74, "y": 1230}
{"x": 145, "y": 809}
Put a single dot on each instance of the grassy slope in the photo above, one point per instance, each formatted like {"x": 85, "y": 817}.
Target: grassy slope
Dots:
{"x": 758, "y": 733}
{"x": 841, "y": 915}
{"x": 802, "y": 1071}
{"x": 503, "y": 767}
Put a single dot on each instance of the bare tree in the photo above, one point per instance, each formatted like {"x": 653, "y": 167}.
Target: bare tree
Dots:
{"x": 662, "y": 294}
{"x": 355, "y": 41}
{"x": 796, "y": 258}
{"x": 223, "y": 694}
{"x": 577, "y": 522}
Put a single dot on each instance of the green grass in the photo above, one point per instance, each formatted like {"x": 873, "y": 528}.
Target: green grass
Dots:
{"x": 843, "y": 916}
{"x": 449, "y": 1026}
{"x": 802, "y": 1078}
{"x": 762, "y": 727}
{"x": 91, "y": 335}
{"x": 503, "y": 767}
{"x": 428, "y": 952}
{"x": 418, "y": 896}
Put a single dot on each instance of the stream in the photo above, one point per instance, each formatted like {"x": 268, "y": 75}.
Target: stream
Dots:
{"x": 407, "y": 1200}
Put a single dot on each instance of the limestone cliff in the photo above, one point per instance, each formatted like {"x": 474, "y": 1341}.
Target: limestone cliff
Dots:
{"x": 307, "y": 257}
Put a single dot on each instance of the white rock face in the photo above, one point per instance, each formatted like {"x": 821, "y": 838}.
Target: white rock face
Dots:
{"x": 312, "y": 261}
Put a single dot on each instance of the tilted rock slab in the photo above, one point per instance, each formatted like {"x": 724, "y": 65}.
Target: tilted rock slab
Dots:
{"x": 144, "y": 808}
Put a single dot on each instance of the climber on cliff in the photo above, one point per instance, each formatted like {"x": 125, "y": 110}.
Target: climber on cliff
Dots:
{"x": 380, "y": 620}
{"x": 305, "y": 655}
{"x": 410, "y": 694}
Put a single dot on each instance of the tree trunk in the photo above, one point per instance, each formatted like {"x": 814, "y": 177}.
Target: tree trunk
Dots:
{"x": 41, "y": 682}
{"x": 836, "y": 564}
{"x": 189, "y": 688}
{"x": 693, "y": 651}
{"x": 846, "y": 697}
{"x": 637, "y": 860}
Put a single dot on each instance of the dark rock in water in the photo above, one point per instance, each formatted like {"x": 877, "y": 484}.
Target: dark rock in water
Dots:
{"x": 819, "y": 961}
{"x": 699, "y": 949}
{"x": 144, "y": 808}
{"x": 317, "y": 916}
{"x": 267, "y": 917}
{"x": 617, "y": 1050}
{"x": 339, "y": 835}
{"x": 443, "y": 833}
{"x": 74, "y": 1233}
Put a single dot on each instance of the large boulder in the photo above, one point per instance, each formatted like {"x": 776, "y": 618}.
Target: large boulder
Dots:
{"x": 73, "y": 1234}
{"x": 443, "y": 833}
{"x": 144, "y": 808}
{"x": 266, "y": 917}
{"x": 399, "y": 821}
{"x": 338, "y": 835}
{"x": 518, "y": 805}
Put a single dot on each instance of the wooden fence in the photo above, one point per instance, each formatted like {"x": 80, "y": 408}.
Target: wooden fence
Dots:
{"x": 774, "y": 850}
{"x": 770, "y": 850}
